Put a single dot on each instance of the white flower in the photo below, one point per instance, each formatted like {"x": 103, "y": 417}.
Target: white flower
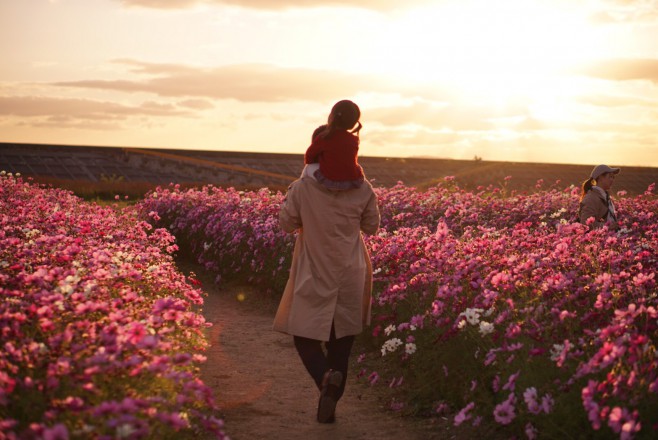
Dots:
{"x": 42, "y": 348}
{"x": 390, "y": 346}
{"x": 89, "y": 286}
{"x": 66, "y": 289}
{"x": 68, "y": 284}
{"x": 558, "y": 213}
{"x": 410, "y": 348}
{"x": 556, "y": 351}
{"x": 125, "y": 430}
{"x": 472, "y": 315}
{"x": 72, "y": 279}
{"x": 486, "y": 328}
{"x": 32, "y": 233}
{"x": 390, "y": 329}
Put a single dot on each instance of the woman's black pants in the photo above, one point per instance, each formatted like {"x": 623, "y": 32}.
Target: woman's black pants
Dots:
{"x": 317, "y": 362}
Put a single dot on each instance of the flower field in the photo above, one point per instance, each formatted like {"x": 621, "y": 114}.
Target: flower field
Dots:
{"x": 99, "y": 333}
{"x": 491, "y": 307}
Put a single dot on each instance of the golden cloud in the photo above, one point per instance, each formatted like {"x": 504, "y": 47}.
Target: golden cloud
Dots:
{"x": 382, "y": 5}
{"x": 243, "y": 82}
{"x": 65, "y": 109}
{"x": 624, "y": 69}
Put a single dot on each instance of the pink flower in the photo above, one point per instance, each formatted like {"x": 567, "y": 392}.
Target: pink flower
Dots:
{"x": 57, "y": 432}
{"x": 135, "y": 332}
{"x": 463, "y": 414}
{"x": 591, "y": 407}
{"x": 547, "y": 403}
{"x": 495, "y": 384}
{"x": 504, "y": 412}
{"x": 530, "y": 431}
{"x": 530, "y": 398}
{"x": 511, "y": 381}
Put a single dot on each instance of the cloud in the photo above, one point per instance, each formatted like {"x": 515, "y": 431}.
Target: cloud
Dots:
{"x": 243, "y": 82}
{"x": 155, "y": 68}
{"x": 162, "y": 4}
{"x": 63, "y": 122}
{"x": 529, "y": 123}
{"x": 618, "y": 101}
{"x": 65, "y": 110}
{"x": 412, "y": 137}
{"x": 196, "y": 104}
{"x": 442, "y": 116}
{"x": 381, "y": 5}
{"x": 621, "y": 11}
{"x": 623, "y": 69}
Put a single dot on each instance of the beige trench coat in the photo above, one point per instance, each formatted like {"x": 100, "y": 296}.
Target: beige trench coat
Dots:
{"x": 331, "y": 275}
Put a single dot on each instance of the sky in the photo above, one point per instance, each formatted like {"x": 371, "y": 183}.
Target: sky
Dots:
{"x": 560, "y": 81}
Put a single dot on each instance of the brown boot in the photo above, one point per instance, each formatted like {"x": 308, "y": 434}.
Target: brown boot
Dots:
{"x": 329, "y": 396}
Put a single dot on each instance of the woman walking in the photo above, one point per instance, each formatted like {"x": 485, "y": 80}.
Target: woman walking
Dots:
{"x": 326, "y": 301}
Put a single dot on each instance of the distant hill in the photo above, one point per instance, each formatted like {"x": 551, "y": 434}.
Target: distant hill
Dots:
{"x": 251, "y": 170}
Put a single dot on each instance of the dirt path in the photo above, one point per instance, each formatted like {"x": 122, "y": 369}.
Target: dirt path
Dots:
{"x": 265, "y": 392}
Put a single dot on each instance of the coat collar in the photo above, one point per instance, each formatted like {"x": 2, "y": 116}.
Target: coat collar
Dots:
{"x": 601, "y": 192}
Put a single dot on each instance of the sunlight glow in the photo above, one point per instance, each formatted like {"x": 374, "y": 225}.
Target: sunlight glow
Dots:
{"x": 492, "y": 51}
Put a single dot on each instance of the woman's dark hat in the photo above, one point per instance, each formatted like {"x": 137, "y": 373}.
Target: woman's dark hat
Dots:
{"x": 602, "y": 169}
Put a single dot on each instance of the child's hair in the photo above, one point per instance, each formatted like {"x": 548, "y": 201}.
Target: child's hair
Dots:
{"x": 346, "y": 115}
{"x": 318, "y": 130}
{"x": 587, "y": 185}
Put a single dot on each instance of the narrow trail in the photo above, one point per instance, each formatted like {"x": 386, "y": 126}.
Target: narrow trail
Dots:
{"x": 264, "y": 391}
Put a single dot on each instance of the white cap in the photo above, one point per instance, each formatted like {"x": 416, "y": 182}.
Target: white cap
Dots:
{"x": 602, "y": 169}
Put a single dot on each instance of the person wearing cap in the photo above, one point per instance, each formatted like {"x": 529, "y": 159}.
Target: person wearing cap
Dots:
{"x": 595, "y": 200}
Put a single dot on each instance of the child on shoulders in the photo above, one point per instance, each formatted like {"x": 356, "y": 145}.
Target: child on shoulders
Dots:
{"x": 331, "y": 159}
